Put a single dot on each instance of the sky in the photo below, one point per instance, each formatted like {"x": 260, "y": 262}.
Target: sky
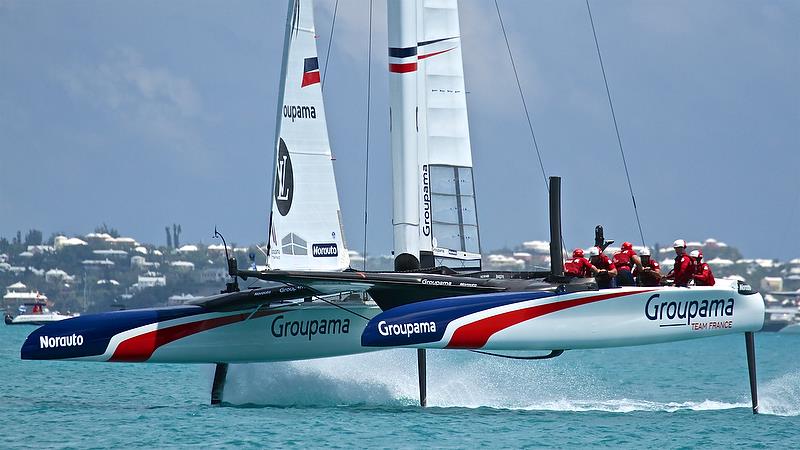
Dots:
{"x": 140, "y": 114}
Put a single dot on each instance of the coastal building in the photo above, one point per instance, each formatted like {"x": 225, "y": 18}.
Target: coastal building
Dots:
{"x": 58, "y": 276}
{"x": 180, "y": 299}
{"x": 111, "y": 253}
{"x": 216, "y": 275}
{"x": 182, "y": 266}
{"x": 150, "y": 279}
{"x": 59, "y": 242}
{"x": 19, "y": 294}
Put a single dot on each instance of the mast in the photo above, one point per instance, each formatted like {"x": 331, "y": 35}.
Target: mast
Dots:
{"x": 287, "y": 42}
{"x": 402, "y": 29}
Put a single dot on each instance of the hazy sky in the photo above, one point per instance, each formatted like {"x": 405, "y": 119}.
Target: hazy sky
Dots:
{"x": 140, "y": 114}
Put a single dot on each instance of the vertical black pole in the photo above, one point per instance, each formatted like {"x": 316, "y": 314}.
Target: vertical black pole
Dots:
{"x": 556, "y": 252}
{"x": 220, "y": 373}
{"x": 751, "y": 368}
{"x": 421, "y": 371}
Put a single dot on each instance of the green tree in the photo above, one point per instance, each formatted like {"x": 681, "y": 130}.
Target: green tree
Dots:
{"x": 33, "y": 237}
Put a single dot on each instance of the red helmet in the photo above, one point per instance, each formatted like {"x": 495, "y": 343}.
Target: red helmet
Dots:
{"x": 577, "y": 253}
{"x": 627, "y": 246}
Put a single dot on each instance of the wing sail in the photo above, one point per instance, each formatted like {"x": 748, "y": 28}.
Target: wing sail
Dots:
{"x": 444, "y": 149}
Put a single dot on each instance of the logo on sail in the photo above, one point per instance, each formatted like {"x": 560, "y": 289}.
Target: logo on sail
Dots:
{"x": 284, "y": 180}
{"x": 325, "y": 250}
{"x": 310, "y": 72}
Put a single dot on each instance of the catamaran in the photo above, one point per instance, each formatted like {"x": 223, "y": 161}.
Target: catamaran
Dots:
{"x": 438, "y": 297}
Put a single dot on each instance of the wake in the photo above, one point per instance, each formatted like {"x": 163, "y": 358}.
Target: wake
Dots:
{"x": 463, "y": 380}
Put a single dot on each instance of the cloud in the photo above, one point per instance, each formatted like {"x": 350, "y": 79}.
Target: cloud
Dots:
{"x": 151, "y": 100}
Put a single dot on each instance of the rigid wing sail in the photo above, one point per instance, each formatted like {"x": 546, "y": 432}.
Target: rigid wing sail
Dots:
{"x": 276, "y": 323}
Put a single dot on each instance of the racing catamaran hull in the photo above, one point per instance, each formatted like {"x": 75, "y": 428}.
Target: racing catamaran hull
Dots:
{"x": 542, "y": 320}
{"x": 194, "y": 334}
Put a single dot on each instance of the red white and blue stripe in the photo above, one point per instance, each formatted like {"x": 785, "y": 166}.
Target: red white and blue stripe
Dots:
{"x": 128, "y": 336}
{"x": 310, "y": 72}
{"x": 469, "y": 322}
{"x": 405, "y": 59}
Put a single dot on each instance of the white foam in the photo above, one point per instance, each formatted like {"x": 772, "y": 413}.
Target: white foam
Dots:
{"x": 781, "y": 396}
{"x": 462, "y": 379}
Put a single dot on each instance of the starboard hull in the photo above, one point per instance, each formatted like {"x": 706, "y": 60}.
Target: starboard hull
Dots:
{"x": 193, "y": 334}
{"x": 539, "y": 320}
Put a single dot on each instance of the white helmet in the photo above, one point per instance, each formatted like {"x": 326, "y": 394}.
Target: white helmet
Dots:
{"x": 679, "y": 243}
{"x": 694, "y": 253}
{"x": 645, "y": 252}
{"x": 594, "y": 251}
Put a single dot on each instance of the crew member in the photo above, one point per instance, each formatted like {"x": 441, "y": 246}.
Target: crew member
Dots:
{"x": 702, "y": 273}
{"x": 682, "y": 270}
{"x": 579, "y": 266}
{"x": 625, "y": 260}
{"x": 607, "y": 272}
{"x": 647, "y": 271}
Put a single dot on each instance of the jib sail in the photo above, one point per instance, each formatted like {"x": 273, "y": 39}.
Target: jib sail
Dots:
{"x": 306, "y": 231}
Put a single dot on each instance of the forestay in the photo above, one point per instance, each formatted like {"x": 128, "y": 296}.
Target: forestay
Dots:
{"x": 306, "y": 231}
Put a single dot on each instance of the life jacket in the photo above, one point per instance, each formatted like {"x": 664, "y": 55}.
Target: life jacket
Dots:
{"x": 603, "y": 263}
{"x": 703, "y": 275}
{"x": 623, "y": 260}
{"x": 683, "y": 269}
{"x": 579, "y": 267}
{"x": 650, "y": 277}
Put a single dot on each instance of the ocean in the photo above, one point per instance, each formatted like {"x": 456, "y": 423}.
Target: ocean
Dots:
{"x": 679, "y": 395}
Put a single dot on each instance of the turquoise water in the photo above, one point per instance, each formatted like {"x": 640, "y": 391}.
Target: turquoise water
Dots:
{"x": 680, "y": 395}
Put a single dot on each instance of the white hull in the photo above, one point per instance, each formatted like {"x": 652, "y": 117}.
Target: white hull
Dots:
{"x": 36, "y": 319}
{"x": 278, "y": 333}
{"x": 583, "y": 320}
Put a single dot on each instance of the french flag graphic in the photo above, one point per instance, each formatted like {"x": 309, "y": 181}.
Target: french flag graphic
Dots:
{"x": 310, "y": 72}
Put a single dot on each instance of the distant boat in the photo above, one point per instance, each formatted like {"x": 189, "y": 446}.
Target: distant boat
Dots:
{"x": 40, "y": 314}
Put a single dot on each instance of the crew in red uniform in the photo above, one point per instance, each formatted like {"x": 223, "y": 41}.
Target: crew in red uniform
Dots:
{"x": 579, "y": 266}
{"x": 648, "y": 271}
{"x": 682, "y": 270}
{"x": 607, "y": 271}
{"x": 702, "y": 273}
{"x": 625, "y": 260}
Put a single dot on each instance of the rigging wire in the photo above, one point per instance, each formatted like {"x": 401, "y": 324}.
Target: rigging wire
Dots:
{"x": 366, "y": 161}
{"x": 330, "y": 41}
{"x": 616, "y": 128}
{"x": 524, "y": 104}
{"x": 341, "y": 307}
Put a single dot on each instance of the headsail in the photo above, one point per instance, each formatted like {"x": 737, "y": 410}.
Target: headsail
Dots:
{"x": 433, "y": 85}
{"x": 306, "y": 231}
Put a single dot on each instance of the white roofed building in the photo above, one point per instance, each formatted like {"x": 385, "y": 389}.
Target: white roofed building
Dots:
{"x": 150, "y": 279}
{"x": 18, "y": 294}
{"x": 184, "y": 266}
{"x": 503, "y": 262}
{"x": 58, "y": 276}
{"x": 541, "y": 247}
{"x": 111, "y": 253}
{"x": 59, "y": 242}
